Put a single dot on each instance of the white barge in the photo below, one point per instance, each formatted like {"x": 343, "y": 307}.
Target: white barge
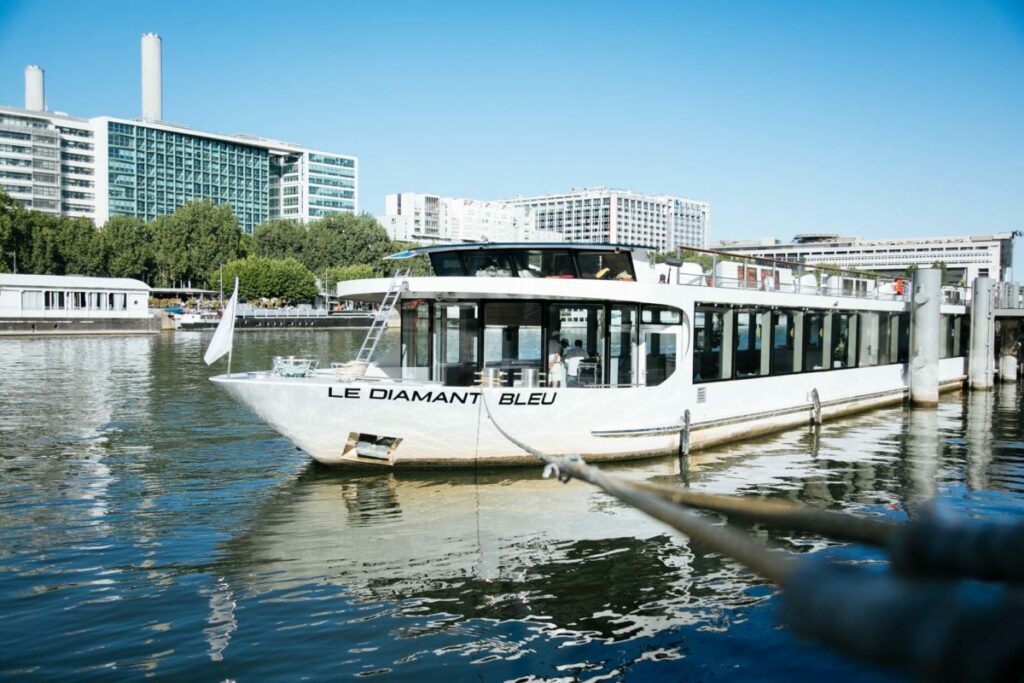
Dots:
{"x": 590, "y": 349}
{"x": 74, "y": 304}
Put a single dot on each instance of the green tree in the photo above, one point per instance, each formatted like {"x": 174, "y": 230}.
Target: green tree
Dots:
{"x": 10, "y": 234}
{"x": 190, "y": 243}
{"x": 127, "y": 246}
{"x": 358, "y": 271}
{"x": 279, "y": 239}
{"x": 344, "y": 239}
{"x": 264, "y": 278}
{"x": 78, "y": 246}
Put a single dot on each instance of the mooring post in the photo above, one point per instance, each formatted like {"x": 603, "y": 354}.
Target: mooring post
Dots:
{"x": 924, "y": 336}
{"x": 1009, "y": 332}
{"x": 980, "y": 363}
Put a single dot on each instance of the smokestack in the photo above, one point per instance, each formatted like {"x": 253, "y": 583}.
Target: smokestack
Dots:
{"x": 34, "y": 97}
{"x": 152, "y": 88}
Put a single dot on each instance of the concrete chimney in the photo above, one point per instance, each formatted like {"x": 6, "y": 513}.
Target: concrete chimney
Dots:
{"x": 35, "y": 99}
{"x": 152, "y": 87}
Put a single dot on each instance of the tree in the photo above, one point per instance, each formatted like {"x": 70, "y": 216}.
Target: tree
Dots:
{"x": 127, "y": 246}
{"x": 78, "y": 246}
{"x": 359, "y": 271}
{"x": 10, "y": 242}
{"x": 264, "y": 278}
{"x": 279, "y": 239}
{"x": 344, "y": 239}
{"x": 190, "y": 243}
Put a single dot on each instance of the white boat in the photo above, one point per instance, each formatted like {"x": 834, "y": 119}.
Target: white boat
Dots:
{"x": 653, "y": 357}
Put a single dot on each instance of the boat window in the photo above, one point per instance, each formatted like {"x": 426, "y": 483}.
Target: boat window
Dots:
{"x": 447, "y": 264}
{"x": 416, "y": 339}
{"x": 96, "y": 301}
{"x": 662, "y": 315}
{"x": 580, "y": 333}
{"x": 844, "y": 340}
{"x": 885, "y": 354}
{"x": 116, "y": 301}
{"x": 783, "y": 342}
{"x": 902, "y": 337}
{"x": 32, "y": 300}
{"x": 544, "y": 263}
{"x": 709, "y": 362}
{"x": 605, "y": 265}
{"x": 749, "y": 333}
{"x": 868, "y": 326}
{"x": 965, "y": 334}
{"x": 949, "y": 336}
{"x": 660, "y": 355}
{"x": 455, "y": 343}
{"x": 53, "y": 300}
{"x": 487, "y": 263}
{"x": 77, "y": 300}
{"x": 622, "y": 334}
{"x": 814, "y": 342}
{"x": 512, "y": 338}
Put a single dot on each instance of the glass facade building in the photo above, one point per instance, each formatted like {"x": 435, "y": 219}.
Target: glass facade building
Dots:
{"x": 153, "y": 171}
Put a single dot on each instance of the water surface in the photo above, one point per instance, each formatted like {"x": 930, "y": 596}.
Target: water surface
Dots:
{"x": 149, "y": 525}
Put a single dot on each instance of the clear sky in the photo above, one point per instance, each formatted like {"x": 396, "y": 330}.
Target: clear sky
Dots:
{"x": 868, "y": 118}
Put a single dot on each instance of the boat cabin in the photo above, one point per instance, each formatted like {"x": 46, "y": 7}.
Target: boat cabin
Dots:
{"x": 72, "y": 296}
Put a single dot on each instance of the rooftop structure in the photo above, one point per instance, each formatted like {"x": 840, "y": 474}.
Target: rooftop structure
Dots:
{"x": 965, "y": 258}
{"x": 108, "y": 166}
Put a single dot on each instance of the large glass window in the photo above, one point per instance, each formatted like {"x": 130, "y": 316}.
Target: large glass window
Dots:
{"x": 605, "y": 265}
{"x": 814, "y": 342}
{"x": 544, "y": 263}
{"x": 783, "y": 342}
{"x": 708, "y": 350}
{"x": 447, "y": 264}
{"x": 32, "y": 300}
{"x": 844, "y": 340}
{"x": 455, "y": 343}
{"x": 416, "y": 340}
{"x": 580, "y": 333}
{"x": 487, "y": 263}
{"x": 747, "y": 356}
{"x": 512, "y": 338}
{"x": 622, "y": 334}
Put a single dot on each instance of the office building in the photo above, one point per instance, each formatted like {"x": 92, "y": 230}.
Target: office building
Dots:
{"x": 597, "y": 215}
{"x": 965, "y": 258}
{"x": 109, "y": 166}
{"x": 607, "y": 216}
{"x": 432, "y": 219}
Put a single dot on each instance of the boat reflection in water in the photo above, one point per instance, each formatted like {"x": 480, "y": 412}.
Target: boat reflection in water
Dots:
{"x": 570, "y": 563}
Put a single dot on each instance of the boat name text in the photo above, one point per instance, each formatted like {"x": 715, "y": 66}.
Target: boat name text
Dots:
{"x": 539, "y": 398}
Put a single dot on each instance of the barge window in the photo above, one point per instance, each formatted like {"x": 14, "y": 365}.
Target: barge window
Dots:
{"x": 709, "y": 361}
{"x": 885, "y": 354}
{"x": 447, "y": 264}
{"x": 748, "y": 343}
{"x": 53, "y": 300}
{"x": 660, "y": 348}
{"x": 783, "y": 342}
{"x": 487, "y": 264}
{"x": 32, "y": 300}
{"x": 605, "y": 265}
{"x": 556, "y": 263}
{"x": 512, "y": 337}
{"x": 116, "y": 302}
{"x": 580, "y": 331}
{"x": 949, "y": 328}
{"x": 902, "y": 337}
{"x": 814, "y": 342}
{"x": 622, "y": 334}
{"x": 844, "y": 340}
{"x": 965, "y": 334}
{"x": 415, "y": 340}
{"x": 455, "y": 344}
{"x": 870, "y": 329}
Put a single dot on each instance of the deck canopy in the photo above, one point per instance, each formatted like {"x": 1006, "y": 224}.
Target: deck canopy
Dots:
{"x": 530, "y": 259}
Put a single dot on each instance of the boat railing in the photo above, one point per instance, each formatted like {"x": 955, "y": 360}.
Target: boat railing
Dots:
{"x": 249, "y": 311}
{"x": 292, "y": 366}
{"x": 738, "y": 271}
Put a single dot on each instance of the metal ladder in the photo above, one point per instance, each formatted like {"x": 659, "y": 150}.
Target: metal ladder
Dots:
{"x": 380, "y": 318}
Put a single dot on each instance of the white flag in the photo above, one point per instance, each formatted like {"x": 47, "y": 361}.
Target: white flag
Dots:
{"x": 225, "y": 332}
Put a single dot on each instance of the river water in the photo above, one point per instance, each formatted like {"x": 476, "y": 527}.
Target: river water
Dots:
{"x": 149, "y": 525}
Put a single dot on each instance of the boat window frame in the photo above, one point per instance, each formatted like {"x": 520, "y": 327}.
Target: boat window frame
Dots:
{"x": 510, "y": 254}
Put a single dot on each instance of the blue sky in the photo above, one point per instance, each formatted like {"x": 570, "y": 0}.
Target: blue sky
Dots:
{"x": 867, "y": 118}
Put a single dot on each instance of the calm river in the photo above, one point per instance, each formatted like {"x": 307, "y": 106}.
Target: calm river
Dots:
{"x": 149, "y": 525}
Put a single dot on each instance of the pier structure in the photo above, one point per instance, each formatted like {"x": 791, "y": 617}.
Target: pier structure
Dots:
{"x": 924, "y": 337}
{"x": 980, "y": 364}
{"x": 1008, "y": 311}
